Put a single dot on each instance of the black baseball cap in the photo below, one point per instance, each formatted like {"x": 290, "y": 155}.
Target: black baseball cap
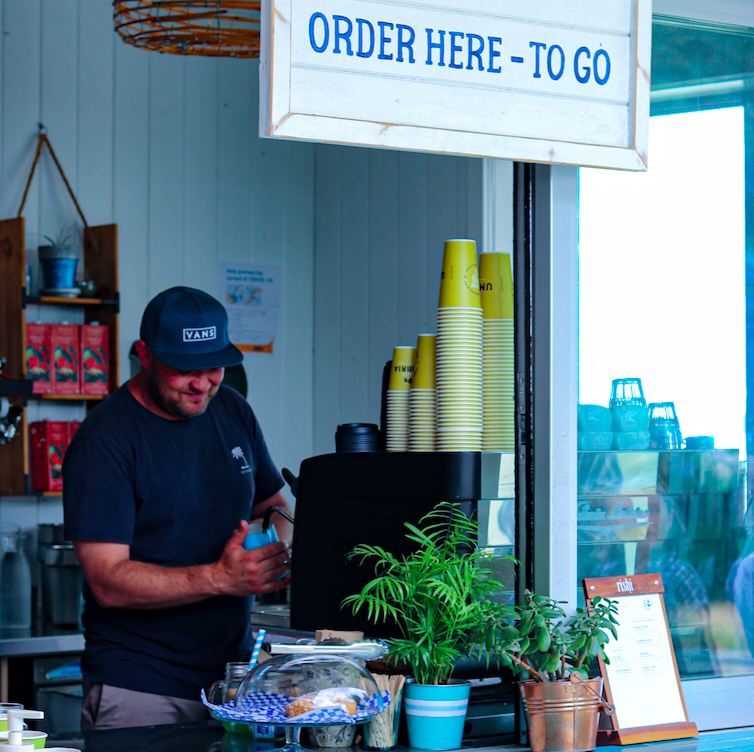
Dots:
{"x": 187, "y": 329}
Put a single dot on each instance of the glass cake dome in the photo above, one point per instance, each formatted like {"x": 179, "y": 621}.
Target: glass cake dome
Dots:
{"x": 309, "y": 689}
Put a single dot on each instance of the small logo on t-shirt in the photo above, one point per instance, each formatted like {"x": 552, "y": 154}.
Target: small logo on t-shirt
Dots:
{"x": 237, "y": 454}
{"x": 200, "y": 334}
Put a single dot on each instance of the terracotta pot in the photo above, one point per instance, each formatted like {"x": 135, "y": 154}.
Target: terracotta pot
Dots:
{"x": 562, "y": 716}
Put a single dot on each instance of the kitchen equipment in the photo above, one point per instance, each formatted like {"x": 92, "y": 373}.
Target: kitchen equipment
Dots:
{"x": 58, "y": 692}
{"x": 14, "y": 740}
{"x": 348, "y": 498}
{"x": 357, "y": 437}
{"x": 66, "y": 580}
{"x": 627, "y": 392}
{"x": 48, "y": 534}
{"x": 594, "y": 418}
{"x": 15, "y": 580}
{"x": 664, "y": 429}
{"x": 10, "y": 419}
{"x": 700, "y": 442}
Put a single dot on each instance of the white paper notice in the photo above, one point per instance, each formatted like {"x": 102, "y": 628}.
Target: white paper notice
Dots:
{"x": 641, "y": 672}
{"x": 251, "y": 296}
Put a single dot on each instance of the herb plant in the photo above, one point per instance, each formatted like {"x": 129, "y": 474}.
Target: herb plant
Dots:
{"x": 438, "y": 595}
{"x": 549, "y": 646}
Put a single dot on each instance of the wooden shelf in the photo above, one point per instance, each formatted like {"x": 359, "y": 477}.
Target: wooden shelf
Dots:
{"x": 50, "y": 493}
{"x": 100, "y": 249}
{"x": 48, "y": 300}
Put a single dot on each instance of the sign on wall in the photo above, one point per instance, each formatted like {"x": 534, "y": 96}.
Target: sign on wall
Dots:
{"x": 251, "y": 296}
{"x": 530, "y": 80}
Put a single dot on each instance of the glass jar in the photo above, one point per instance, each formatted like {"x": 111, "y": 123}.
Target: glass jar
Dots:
{"x": 224, "y": 690}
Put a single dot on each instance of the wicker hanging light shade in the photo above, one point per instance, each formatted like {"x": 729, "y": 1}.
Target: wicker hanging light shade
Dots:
{"x": 216, "y": 28}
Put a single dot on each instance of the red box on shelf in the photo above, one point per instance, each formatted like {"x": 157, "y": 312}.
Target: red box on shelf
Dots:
{"x": 66, "y": 377}
{"x": 38, "y": 357}
{"x": 95, "y": 359}
{"x": 73, "y": 426}
{"x": 49, "y": 440}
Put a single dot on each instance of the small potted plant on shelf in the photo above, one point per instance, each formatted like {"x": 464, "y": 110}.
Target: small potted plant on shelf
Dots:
{"x": 562, "y": 703}
{"x": 439, "y": 596}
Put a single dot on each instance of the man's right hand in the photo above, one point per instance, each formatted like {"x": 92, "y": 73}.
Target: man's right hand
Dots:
{"x": 119, "y": 582}
{"x": 242, "y": 572}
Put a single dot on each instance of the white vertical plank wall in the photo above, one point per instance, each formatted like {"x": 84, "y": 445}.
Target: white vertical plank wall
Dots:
{"x": 381, "y": 220}
{"x": 166, "y": 146}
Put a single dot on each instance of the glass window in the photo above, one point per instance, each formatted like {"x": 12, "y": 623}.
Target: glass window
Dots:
{"x": 666, "y": 298}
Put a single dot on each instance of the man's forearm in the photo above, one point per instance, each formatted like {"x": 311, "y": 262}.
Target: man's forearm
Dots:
{"x": 138, "y": 585}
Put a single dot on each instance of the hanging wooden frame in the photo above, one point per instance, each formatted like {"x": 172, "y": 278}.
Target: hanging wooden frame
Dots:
{"x": 642, "y": 680}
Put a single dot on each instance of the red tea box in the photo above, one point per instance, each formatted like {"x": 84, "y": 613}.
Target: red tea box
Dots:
{"x": 95, "y": 359}
{"x": 65, "y": 359}
{"x": 38, "y": 360}
{"x": 49, "y": 440}
{"x": 73, "y": 426}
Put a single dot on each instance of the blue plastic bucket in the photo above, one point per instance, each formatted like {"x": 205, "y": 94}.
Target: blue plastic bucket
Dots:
{"x": 436, "y": 714}
{"x": 59, "y": 273}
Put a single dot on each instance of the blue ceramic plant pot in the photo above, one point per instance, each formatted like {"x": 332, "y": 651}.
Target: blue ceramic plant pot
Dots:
{"x": 59, "y": 273}
{"x": 436, "y": 714}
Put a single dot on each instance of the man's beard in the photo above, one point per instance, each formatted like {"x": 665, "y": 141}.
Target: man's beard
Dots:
{"x": 172, "y": 406}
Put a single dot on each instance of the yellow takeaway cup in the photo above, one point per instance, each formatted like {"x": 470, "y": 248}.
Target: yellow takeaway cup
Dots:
{"x": 459, "y": 283}
{"x": 496, "y": 285}
{"x": 402, "y": 368}
{"x": 424, "y": 376}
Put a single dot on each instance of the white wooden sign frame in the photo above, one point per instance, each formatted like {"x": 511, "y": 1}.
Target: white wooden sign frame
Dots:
{"x": 570, "y": 81}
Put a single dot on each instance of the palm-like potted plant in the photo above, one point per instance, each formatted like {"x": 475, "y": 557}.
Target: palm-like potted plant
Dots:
{"x": 440, "y": 597}
{"x": 562, "y": 703}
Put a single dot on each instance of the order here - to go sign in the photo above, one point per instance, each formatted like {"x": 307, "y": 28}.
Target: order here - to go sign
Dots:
{"x": 530, "y": 80}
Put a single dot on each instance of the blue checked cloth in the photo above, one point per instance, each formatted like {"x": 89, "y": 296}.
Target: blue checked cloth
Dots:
{"x": 269, "y": 708}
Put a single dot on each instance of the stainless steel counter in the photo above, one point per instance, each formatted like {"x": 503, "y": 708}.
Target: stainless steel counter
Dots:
{"x": 43, "y": 638}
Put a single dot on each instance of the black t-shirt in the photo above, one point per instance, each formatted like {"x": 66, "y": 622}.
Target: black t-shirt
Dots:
{"x": 174, "y": 491}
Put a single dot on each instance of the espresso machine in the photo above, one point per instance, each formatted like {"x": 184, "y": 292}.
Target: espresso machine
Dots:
{"x": 350, "y": 498}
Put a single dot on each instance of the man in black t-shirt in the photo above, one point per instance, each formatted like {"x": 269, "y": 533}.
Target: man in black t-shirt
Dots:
{"x": 159, "y": 483}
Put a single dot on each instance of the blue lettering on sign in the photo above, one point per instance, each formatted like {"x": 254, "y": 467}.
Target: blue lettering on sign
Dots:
{"x": 537, "y": 46}
{"x": 601, "y": 80}
{"x": 582, "y": 78}
{"x": 475, "y": 52}
{"x": 344, "y": 35}
{"x": 466, "y": 50}
{"x": 436, "y": 46}
{"x": 555, "y": 76}
{"x": 361, "y": 52}
{"x": 405, "y": 43}
{"x": 384, "y": 39}
{"x": 312, "y": 42}
{"x": 492, "y": 41}
{"x": 455, "y": 48}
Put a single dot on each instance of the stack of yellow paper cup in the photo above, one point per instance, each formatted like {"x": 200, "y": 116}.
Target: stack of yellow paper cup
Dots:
{"x": 398, "y": 388}
{"x": 421, "y": 409}
{"x": 459, "y": 350}
{"x": 498, "y": 381}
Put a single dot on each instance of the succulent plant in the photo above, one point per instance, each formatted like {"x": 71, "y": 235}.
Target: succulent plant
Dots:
{"x": 549, "y": 646}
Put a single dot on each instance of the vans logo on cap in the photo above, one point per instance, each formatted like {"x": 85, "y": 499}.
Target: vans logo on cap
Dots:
{"x": 200, "y": 333}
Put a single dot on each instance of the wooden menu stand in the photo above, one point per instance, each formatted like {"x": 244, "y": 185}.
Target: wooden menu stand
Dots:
{"x": 648, "y": 650}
